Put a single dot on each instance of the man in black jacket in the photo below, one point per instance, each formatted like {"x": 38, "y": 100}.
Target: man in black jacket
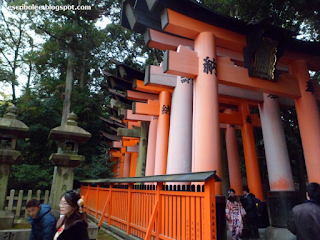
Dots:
{"x": 304, "y": 219}
{"x": 252, "y": 216}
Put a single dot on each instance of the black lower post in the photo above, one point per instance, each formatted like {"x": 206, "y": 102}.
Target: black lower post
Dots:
{"x": 221, "y": 217}
{"x": 280, "y": 204}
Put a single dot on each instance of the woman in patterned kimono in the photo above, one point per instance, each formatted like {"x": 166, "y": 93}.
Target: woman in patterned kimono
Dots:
{"x": 234, "y": 213}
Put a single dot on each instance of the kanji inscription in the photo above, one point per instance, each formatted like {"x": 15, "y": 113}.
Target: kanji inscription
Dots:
{"x": 209, "y": 66}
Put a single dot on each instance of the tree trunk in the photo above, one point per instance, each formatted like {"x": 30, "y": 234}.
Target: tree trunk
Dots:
{"x": 82, "y": 80}
{"x": 68, "y": 90}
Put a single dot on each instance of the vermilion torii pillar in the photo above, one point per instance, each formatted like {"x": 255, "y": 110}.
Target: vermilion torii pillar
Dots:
{"x": 162, "y": 110}
{"x": 207, "y": 155}
{"x": 233, "y": 157}
{"x": 250, "y": 153}
{"x": 308, "y": 118}
{"x": 150, "y": 161}
{"x": 126, "y": 165}
{"x": 278, "y": 163}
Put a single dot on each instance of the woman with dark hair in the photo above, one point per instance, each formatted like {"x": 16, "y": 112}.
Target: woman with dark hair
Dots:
{"x": 234, "y": 213}
{"x": 73, "y": 225}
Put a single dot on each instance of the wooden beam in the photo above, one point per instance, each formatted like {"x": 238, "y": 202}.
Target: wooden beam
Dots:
{"x": 115, "y": 104}
{"x": 125, "y": 132}
{"x": 139, "y": 86}
{"x": 188, "y": 27}
{"x": 113, "y": 128}
{"x": 130, "y": 124}
{"x": 164, "y": 41}
{"x": 228, "y": 74}
{"x": 130, "y": 116}
{"x": 134, "y": 148}
{"x": 140, "y": 96}
{"x": 119, "y": 84}
{"x": 146, "y": 109}
{"x": 110, "y": 136}
{"x": 154, "y": 76}
{"x": 129, "y": 142}
{"x": 235, "y": 118}
{"x": 115, "y": 154}
{"x": 181, "y": 64}
{"x": 106, "y": 120}
{"x": 116, "y": 93}
{"x": 231, "y": 75}
{"x": 117, "y": 144}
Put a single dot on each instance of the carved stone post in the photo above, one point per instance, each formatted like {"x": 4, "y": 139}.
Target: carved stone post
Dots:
{"x": 66, "y": 159}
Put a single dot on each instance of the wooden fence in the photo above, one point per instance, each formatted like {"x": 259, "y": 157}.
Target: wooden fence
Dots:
{"x": 17, "y": 203}
{"x": 154, "y": 212}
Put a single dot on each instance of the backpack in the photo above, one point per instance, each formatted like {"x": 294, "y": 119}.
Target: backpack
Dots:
{"x": 258, "y": 206}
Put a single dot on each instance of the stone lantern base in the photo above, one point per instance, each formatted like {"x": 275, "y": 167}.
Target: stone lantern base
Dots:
{"x": 7, "y": 158}
{"x": 63, "y": 175}
{"x": 6, "y": 219}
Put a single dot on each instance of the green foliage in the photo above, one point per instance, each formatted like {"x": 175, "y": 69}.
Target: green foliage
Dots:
{"x": 26, "y": 177}
{"x": 294, "y": 15}
{"x": 100, "y": 167}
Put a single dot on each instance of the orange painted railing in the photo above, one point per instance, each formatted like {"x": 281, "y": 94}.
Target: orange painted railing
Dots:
{"x": 155, "y": 211}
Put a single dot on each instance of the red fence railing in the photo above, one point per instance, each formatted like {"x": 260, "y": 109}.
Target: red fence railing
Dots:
{"x": 155, "y": 211}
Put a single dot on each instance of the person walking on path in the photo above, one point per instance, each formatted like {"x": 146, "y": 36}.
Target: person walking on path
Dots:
{"x": 73, "y": 224}
{"x": 41, "y": 219}
{"x": 252, "y": 216}
{"x": 304, "y": 219}
{"x": 234, "y": 213}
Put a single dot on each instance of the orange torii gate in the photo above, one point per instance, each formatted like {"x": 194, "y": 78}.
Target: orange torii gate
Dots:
{"x": 222, "y": 48}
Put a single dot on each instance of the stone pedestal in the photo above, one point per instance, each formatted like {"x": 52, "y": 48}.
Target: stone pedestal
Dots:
{"x": 63, "y": 175}
{"x": 7, "y": 158}
{"x": 280, "y": 204}
{"x": 6, "y": 219}
{"x": 272, "y": 233}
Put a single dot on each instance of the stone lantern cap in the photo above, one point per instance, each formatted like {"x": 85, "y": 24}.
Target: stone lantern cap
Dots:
{"x": 11, "y": 126}
{"x": 70, "y": 131}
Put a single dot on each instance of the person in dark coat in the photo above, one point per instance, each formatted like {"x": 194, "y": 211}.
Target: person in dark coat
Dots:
{"x": 42, "y": 221}
{"x": 304, "y": 219}
{"x": 251, "y": 221}
{"x": 73, "y": 224}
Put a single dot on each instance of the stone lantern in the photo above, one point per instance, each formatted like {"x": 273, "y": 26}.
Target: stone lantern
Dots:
{"x": 11, "y": 129}
{"x": 68, "y": 135}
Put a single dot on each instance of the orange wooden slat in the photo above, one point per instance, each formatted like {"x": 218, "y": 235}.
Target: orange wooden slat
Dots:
{"x": 166, "y": 220}
{"x": 179, "y": 218}
{"x": 143, "y": 214}
{"x": 192, "y": 218}
{"x": 170, "y": 214}
{"x": 183, "y": 218}
{"x": 163, "y": 215}
{"x": 198, "y": 218}
{"x": 188, "y": 220}
{"x": 174, "y": 216}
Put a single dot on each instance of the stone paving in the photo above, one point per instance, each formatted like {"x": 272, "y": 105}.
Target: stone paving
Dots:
{"x": 261, "y": 232}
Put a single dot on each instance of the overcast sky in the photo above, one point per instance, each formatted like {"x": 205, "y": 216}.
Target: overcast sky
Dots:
{"x": 22, "y": 79}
